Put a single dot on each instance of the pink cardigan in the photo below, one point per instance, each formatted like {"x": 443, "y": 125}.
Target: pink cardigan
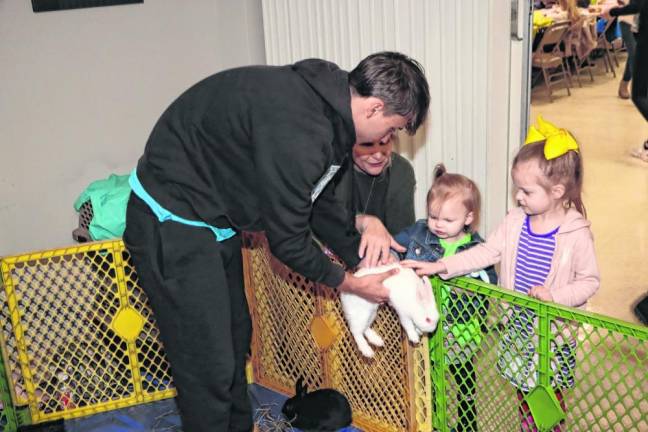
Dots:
{"x": 574, "y": 275}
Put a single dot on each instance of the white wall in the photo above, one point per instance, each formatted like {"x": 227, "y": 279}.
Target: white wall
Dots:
{"x": 81, "y": 89}
{"x": 464, "y": 47}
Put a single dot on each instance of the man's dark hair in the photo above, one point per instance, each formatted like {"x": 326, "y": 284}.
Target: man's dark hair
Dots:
{"x": 398, "y": 81}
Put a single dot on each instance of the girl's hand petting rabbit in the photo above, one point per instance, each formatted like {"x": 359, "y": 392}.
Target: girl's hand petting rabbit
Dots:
{"x": 424, "y": 268}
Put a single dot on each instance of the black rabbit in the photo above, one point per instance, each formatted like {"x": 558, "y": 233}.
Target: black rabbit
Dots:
{"x": 324, "y": 410}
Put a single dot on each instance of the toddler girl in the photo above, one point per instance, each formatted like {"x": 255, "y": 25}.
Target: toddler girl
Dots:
{"x": 453, "y": 204}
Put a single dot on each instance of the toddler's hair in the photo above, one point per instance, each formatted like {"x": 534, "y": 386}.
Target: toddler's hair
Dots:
{"x": 566, "y": 170}
{"x": 446, "y": 185}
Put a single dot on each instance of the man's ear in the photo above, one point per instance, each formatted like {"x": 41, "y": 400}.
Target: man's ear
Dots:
{"x": 374, "y": 105}
{"x": 557, "y": 191}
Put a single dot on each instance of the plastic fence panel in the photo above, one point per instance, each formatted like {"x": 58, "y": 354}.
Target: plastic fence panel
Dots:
{"x": 387, "y": 393}
{"x": 78, "y": 333}
{"x": 499, "y": 351}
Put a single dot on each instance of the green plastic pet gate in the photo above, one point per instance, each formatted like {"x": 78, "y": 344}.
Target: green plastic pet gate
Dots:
{"x": 577, "y": 371}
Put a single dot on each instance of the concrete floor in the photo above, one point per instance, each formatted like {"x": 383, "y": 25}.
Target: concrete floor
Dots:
{"x": 616, "y": 184}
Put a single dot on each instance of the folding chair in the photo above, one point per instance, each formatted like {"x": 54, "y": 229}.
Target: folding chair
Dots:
{"x": 551, "y": 63}
{"x": 583, "y": 61}
{"x": 603, "y": 44}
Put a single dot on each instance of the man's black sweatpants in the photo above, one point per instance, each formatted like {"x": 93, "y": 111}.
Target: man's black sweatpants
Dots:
{"x": 195, "y": 288}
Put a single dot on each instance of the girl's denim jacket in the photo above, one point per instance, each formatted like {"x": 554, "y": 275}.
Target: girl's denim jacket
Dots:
{"x": 423, "y": 245}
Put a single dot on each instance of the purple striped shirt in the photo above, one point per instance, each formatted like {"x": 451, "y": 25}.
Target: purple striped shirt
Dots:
{"x": 534, "y": 255}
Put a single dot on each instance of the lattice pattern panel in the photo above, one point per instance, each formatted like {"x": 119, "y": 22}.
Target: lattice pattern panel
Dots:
{"x": 283, "y": 305}
{"x": 497, "y": 346}
{"x": 154, "y": 368}
{"x": 66, "y": 337}
{"x": 387, "y": 393}
{"x": 380, "y": 389}
{"x": 86, "y": 213}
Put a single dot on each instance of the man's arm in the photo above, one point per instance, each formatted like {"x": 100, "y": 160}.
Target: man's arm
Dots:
{"x": 329, "y": 222}
{"x": 292, "y": 151}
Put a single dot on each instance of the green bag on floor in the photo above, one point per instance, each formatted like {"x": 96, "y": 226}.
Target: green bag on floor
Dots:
{"x": 109, "y": 198}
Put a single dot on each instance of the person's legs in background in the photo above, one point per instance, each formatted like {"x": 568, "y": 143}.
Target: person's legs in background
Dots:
{"x": 630, "y": 43}
{"x": 640, "y": 78}
{"x": 640, "y": 89}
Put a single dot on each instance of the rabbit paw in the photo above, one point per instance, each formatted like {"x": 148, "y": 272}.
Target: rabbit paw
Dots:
{"x": 414, "y": 337}
{"x": 363, "y": 346}
{"x": 374, "y": 338}
{"x": 366, "y": 351}
{"x": 415, "y": 340}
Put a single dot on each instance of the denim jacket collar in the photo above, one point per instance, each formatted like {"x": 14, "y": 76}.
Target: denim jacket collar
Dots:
{"x": 433, "y": 239}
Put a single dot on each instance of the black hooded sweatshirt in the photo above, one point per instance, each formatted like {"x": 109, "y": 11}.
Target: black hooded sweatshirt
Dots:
{"x": 247, "y": 146}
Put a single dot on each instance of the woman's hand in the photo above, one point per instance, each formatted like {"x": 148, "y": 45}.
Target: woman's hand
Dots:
{"x": 391, "y": 259}
{"x": 541, "y": 293}
{"x": 376, "y": 241}
{"x": 424, "y": 268}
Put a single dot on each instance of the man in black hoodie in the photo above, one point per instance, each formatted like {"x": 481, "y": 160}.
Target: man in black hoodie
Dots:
{"x": 251, "y": 149}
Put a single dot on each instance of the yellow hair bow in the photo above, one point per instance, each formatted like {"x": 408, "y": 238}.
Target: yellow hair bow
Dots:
{"x": 557, "y": 141}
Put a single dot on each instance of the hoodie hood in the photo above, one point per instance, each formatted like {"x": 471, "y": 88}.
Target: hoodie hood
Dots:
{"x": 573, "y": 221}
{"x": 332, "y": 84}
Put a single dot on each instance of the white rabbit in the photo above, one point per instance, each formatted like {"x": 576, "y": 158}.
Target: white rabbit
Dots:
{"x": 411, "y": 297}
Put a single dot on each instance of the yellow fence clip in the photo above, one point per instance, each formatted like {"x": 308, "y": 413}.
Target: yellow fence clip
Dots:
{"x": 128, "y": 323}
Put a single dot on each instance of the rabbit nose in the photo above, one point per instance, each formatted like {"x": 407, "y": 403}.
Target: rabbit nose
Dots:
{"x": 428, "y": 320}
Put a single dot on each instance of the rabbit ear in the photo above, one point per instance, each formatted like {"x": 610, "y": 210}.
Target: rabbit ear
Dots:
{"x": 424, "y": 291}
{"x": 300, "y": 388}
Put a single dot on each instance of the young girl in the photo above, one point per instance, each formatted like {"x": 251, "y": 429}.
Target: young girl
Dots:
{"x": 545, "y": 249}
{"x": 454, "y": 204}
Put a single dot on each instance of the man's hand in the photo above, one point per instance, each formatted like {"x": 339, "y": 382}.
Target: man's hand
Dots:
{"x": 375, "y": 242}
{"x": 541, "y": 293}
{"x": 424, "y": 268}
{"x": 369, "y": 287}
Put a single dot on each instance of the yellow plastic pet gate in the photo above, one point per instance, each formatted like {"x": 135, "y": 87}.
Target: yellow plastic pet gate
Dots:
{"x": 299, "y": 330}
{"x": 78, "y": 336}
